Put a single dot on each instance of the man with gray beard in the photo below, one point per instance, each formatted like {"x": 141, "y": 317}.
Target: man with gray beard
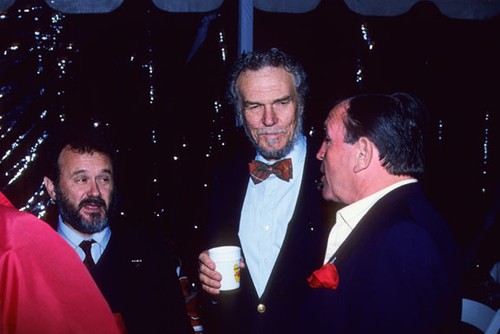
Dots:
{"x": 277, "y": 218}
{"x": 130, "y": 263}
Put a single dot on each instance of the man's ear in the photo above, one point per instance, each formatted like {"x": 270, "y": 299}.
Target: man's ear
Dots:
{"x": 49, "y": 186}
{"x": 364, "y": 154}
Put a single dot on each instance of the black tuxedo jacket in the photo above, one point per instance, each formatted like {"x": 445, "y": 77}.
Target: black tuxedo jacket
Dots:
{"x": 398, "y": 273}
{"x": 302, "y": 251}
{"x": 136, "y": 274}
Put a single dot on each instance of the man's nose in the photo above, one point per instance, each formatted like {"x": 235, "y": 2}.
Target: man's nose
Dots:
{"x": 94, "y": 189}
{"x": 321, "y": 153}
{"x": 269, "y": 118}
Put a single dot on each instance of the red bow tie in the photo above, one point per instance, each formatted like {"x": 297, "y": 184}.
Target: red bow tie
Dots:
{"x": 259, "y": 171}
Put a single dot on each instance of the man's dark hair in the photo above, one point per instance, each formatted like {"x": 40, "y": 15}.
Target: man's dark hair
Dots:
{"x": 82, "y": 140}
{"x": 396, "y": 124}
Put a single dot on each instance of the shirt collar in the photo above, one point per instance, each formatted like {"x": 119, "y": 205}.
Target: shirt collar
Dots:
{"x": 74, "y": 238}
{"x": 352, "y": 214}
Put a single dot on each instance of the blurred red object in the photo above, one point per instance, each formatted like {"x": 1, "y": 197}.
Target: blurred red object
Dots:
{"x": 191, "y": 298}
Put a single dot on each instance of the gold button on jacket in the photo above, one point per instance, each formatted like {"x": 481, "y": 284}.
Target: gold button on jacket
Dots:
{"x": 261, "y": 308}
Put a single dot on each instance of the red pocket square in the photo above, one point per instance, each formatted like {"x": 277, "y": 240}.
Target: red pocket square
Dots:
{"x": 325, "y": 277}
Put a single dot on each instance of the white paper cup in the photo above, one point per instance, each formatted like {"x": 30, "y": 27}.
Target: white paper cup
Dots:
{"x": 227, "y": 263}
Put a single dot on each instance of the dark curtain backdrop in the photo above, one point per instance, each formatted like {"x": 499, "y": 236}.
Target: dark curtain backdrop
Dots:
{"x": 156, "y": 80}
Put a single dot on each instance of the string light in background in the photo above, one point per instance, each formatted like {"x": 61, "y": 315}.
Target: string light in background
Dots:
{"x": 370, "y": 44}
{"x": 29, "y": 96}
{"x": 486, "y": 142}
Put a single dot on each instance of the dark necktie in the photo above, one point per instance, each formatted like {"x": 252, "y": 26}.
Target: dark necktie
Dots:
{"x": 259, "y": 171}
{"x": 88, "y": 261}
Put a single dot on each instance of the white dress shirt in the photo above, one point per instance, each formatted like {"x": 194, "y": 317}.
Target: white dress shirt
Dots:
{"x": 266, "y": 212}
{"x": 101, "y": 240}
{"x": 348, "y": 218}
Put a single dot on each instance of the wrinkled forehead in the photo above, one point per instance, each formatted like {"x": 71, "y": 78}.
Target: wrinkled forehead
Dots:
{"x": 72, "y": 158}
{"x": 267, "y": 74}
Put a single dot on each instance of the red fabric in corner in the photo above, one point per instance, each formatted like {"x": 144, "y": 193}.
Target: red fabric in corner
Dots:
{"x": 44, "y": 286}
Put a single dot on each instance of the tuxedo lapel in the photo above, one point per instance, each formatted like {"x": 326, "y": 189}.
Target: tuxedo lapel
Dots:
{"x": 376, "y": 219}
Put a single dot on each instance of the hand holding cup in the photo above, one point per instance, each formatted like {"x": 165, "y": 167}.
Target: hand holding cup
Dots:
{"x": 227, "y": 263}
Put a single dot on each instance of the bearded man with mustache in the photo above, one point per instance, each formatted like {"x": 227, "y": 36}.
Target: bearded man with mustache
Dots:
{"x": 131, "y": 263}
{"x": 278, "y": 221}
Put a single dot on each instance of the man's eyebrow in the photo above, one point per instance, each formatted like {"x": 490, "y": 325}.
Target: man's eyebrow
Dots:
{"x": 280, "y": 99}
{"x": 247, "y": 102}
{"x": 79, "y": 171}
{"x": 83, "y": 171}
{"x": 284, "y": 98}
